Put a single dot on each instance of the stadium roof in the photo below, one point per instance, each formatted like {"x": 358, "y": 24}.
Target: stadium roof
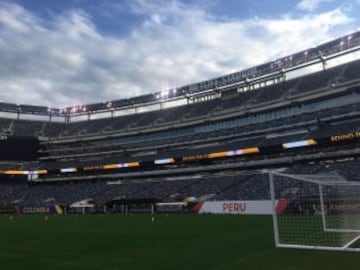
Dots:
{"x": 326, "y": 51}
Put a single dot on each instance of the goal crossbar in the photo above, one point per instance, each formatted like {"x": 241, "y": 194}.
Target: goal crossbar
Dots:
{"x": 318, "y": 178}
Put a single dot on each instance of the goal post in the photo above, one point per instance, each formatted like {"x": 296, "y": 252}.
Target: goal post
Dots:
{"x": 341, "y": 207}
{"x": 315, "y": 211}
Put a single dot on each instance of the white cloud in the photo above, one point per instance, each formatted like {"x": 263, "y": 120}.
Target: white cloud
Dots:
{"x": 311, "y": 5}
{"x": 72, "y": 62}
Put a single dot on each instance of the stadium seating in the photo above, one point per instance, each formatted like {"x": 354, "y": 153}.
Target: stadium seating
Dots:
{"x": 269, "y": 94}
{"x": 315, "y": 106}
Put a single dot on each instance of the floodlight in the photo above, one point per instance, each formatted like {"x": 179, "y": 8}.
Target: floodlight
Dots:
{"x": 164, "y": 93}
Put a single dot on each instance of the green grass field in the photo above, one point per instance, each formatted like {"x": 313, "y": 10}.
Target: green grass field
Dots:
{"x": 171, "y": 242}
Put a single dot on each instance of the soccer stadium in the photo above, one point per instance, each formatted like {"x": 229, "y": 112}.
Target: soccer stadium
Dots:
{"x": 205, "y": 148}
{"x": 256, "y": 169}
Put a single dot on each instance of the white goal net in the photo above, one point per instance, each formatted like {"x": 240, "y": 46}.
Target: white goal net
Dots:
{"x": 315, "y": 211}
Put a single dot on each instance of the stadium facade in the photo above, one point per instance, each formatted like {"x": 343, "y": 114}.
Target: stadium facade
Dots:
{"x": 209, "y": 140}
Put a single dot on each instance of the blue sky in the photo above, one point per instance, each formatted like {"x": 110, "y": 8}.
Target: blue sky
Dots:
{"x": 61, "y": 53}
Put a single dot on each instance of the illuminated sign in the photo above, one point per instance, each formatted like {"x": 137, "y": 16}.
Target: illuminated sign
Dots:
{"x": 231, "y": 153}
{"x": 111, "y": 166}
{"x": 299, "y": 144}
{"x": 164, "y": 161}
{"x": 92, "y": 168}
{"x": 68, "y": 170}
{"x": 14, "y": 172}
{"x": 120, "y": 165}
{"x": 195, "y": 157}
{"x": 346, "y": 137}
{"x": 218, "y": 155}
{"x": 19, "y": 172}
{"x": 223, "y": 81}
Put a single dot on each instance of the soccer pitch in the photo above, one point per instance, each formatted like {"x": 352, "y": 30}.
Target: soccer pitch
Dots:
{"x": 170, "y": 242}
